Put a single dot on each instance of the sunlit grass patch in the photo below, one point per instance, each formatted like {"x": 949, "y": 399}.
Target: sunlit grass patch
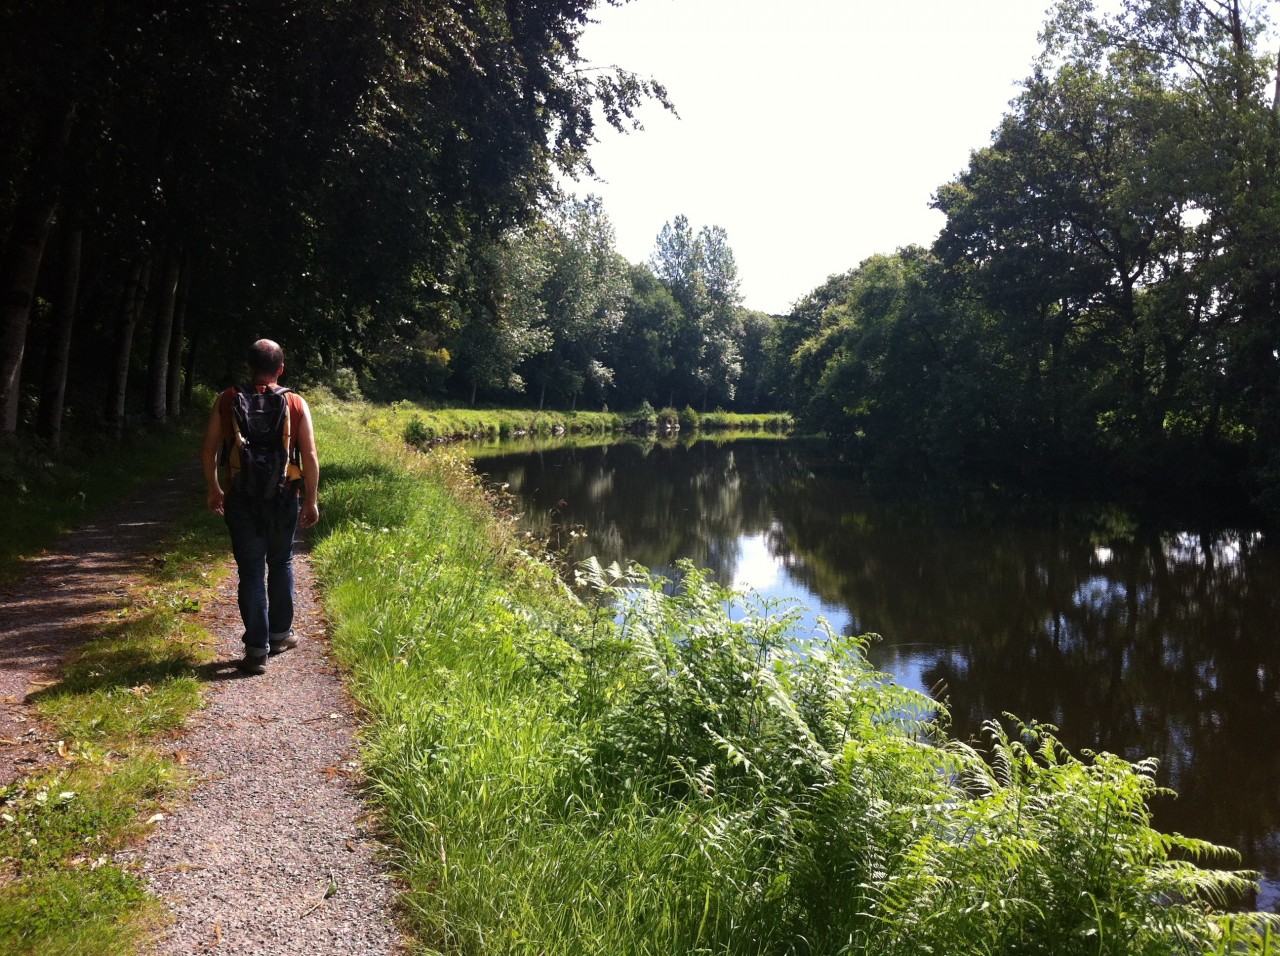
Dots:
{"x": 74, "y": 912}
{"x": 421, "y": 425}
{"x": 136, "y": 677}
{"x": 135, "y": 680}
{"x": 126, "y": 690}
{"x": 76, "y": 814}
{"x": 60, "y": 887}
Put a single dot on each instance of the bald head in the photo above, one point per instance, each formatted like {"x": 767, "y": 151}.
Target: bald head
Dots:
{"x": 265, "y": 357}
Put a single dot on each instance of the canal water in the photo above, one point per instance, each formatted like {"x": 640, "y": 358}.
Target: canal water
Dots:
{"x": 1138, "y": 636}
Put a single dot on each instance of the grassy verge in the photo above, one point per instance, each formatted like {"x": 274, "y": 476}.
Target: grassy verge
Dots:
{"x": 683, "y": 781}
{"x": 482, "y": 448}
{"x": 115, "y": 707}
{"x": 49, "y": 492}
{"x": 421, "y": 426}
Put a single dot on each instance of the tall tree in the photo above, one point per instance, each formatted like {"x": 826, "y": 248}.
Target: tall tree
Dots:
{"x": 754, "y": 392}
{"x": 581, "y": 298}
{"x": 161, "y": 335}
{"x": 642, "y": 353}
{"x": 702, "y": 276}
{"x": 133, "y": 297}
{"x": 23, "y": 250}
{"x": 54, "y": 387}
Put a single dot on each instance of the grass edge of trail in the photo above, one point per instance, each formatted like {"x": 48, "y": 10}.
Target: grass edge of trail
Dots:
{"x": 525, "y": 821}
{"x": 116, "y": 705}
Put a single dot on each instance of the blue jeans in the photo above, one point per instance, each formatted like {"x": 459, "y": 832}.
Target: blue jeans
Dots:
{"x": 262, "y": 542}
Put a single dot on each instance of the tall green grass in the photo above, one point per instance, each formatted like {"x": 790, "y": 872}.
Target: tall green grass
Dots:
{"x": 666, "y": 769}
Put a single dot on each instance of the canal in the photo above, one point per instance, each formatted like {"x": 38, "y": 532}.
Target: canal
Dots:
{"x": 1141, "y": 636}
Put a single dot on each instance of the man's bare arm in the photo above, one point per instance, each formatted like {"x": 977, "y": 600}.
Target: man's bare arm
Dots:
{"x": 310, "y": 469}
{"x": 209, "y": 459}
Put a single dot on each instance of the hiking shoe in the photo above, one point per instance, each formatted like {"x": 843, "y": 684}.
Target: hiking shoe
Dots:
{"x": 253, "y": 663}
{"x": 279, "y": 644}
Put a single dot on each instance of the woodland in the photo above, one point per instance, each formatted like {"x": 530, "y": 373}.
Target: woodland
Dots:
{"x": 376, "y": 185}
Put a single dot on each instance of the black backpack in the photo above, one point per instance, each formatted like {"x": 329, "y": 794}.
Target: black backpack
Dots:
{"x": 260, "y": 443}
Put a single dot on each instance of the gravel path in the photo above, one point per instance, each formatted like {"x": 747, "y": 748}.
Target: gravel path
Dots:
{"x": 271, "y": 853}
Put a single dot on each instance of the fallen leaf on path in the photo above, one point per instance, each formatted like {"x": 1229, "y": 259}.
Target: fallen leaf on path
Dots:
{"x": 217, "y": 933}
{"x": 180, "y": 757}
{"x": 155, "y": 818}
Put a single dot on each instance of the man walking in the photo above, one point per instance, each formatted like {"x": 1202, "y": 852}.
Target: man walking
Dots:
{"x": 264, "y": 434}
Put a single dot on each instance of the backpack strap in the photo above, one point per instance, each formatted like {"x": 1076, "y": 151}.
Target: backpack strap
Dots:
{"x": 293, "y": 454}
{"x": 236, "y": 440}
{"x": 286, "y": 433}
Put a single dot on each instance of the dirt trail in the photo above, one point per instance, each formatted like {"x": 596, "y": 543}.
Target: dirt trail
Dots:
{"x": 270, "y": 854}
{"x": 65, "y": 592}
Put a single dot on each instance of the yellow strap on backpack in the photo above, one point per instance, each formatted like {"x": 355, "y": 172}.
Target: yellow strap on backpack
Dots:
{"x": 292, "y": 457}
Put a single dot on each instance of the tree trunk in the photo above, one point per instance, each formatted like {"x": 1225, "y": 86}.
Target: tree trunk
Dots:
{"x": 189, "y": 367}
{"x": 13, "y": 395}
{"x": 1275, "y": 98}
{"x": 542, "y": 394}
{"x": 23, "y": 250}
{"x": 175, "y": 339}
{"x": 161, "y": 334}
{"x": 135, "y": 294}
{"x": 54, "y": 391}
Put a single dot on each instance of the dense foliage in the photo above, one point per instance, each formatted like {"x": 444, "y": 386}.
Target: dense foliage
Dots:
{"x": 1104, "y": 297}
{"x": 178, "y": 179}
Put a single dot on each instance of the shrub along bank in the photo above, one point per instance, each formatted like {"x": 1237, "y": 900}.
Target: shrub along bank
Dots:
{"x": 683, "y": 780}
{"x": 421, "y": 425}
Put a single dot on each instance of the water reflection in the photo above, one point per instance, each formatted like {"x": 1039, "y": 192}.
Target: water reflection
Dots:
{"x": 1131, "y": 637}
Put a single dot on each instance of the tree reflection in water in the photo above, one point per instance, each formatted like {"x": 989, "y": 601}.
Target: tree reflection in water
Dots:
{"x": 1138, "y": 638}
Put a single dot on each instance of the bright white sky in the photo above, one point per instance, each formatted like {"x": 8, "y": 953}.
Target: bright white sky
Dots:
{"x": 814, "y": 131}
